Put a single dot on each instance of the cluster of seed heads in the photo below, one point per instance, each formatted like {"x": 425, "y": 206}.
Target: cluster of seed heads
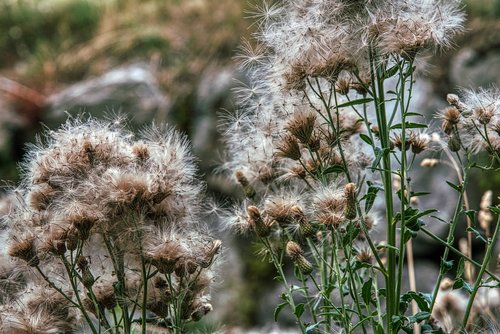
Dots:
{"x": 95, "y": 205}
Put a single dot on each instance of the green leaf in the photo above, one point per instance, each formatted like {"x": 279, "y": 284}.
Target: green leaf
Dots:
{"x": 371, "y": 195}
{"x": 495, "y": 210}
{"x": 477, "y": 234}
{"x": 366, "y": 139}
{"x": 413, "y": 114}
{"x": 379, "y": 153}
{"x": 312, "y": 327}
{"x": 458, "y": 284}
{"x": 391, "y": 71}
{"x": 420, "y": 316}
{"x": 379, "y": 329}
{"x": 366, "y": 291}
{"x": 414, "y": 218}
{"x": 333, "y": 169}
{"x": 419, "y": 193}
{"x": 409, "y": 125}
{"x": 354, "y": 102}
{"x": 460, "y": 268}
{"x": 299, "y": 310}
{"x": 454, "y": 186}
{"x": 278, "y": 310}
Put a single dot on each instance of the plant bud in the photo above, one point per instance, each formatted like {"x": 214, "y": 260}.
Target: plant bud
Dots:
{"x": 306, "y": 229}
{"x": 261, "y": 228}
{"x": 25, "y": 250}
{"x": 247, "y": 188}
{"x": 87, "y": 278}
{"x": 454, "y": 143}
{"x": 304, "y": 265}
{"x": 350, "y": 201}
{"x": 293, "y": 249}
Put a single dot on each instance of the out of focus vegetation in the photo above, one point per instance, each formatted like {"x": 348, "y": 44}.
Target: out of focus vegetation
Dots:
{"x": 46, "y": 45}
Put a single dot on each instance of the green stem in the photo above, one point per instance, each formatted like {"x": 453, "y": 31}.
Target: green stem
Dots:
{"x": 377, "y": 72}
{"x": 456, "y": 251}
{"x": 451, "y": 233}
{"x": 477, "y": 284}
{"x": 77, "y": 295}
{"x": 278, "y": 265}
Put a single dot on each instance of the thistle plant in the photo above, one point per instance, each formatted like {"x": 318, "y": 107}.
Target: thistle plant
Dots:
{"x": 325, "y": 145}
{"x": 104, "y": 234}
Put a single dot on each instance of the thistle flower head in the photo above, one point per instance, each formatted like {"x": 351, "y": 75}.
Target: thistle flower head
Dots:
{"x": 99, "y": 195}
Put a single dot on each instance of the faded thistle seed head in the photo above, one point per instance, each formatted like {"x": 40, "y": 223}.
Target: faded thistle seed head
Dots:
{"x": 25, "y": 250}
{"x": 429, "y": 162}
{"x": 365, "y": 256}
{"x": 419, "y": 142}
{"x": 397, "y": 141}
{"x": 288, "y": 147}
{"x": 306, "y": 229}
{"x": 451, "y": 117}
{"x": 484, "y": 216}
{"x": 343, "y": 85}
{"x": 301, "y": 126}
{"x": 484, "y": 114}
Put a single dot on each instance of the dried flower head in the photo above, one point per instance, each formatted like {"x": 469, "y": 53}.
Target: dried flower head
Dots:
{"x": 288, "y": 147}
{"x": 429, "y": 162}
{"x": 301, "y": 126}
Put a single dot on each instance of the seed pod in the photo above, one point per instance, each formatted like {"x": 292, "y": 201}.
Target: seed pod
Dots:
{"x": 306, "y": 229}
{"x": 295, "y": 252}
{"x": 87, "y": 278}
{"x": 261, "y": 228}
{"x": 25, "y": 250}
{"x": 454, "y": 143}
{"x": 350, "y": 201}
{"x": 247, "y": 188}
{"x": 304, "y": 265}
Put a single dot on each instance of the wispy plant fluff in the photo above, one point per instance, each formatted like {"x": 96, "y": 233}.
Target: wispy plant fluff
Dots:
{"x": 105, "y": 229}
{"x": 316, "y": 141}
{"x": 309, "y": 41}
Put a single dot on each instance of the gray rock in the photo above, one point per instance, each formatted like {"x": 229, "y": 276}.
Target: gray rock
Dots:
{"x": 471, "y": 68}
{"x": 131, "y": 90}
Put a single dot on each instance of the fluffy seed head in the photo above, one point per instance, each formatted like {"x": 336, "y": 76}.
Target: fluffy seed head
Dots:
{"x": 288, "y": 147}
{"x": 25, "y": 250}
{"x": 301, "y": 126}
{"x": 293, "y": 250}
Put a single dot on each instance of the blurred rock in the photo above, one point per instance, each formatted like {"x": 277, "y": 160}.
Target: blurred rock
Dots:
{"x": 213, "y": 97}
{"x": 472, "y": 68}
{"x": 131, "y": 90}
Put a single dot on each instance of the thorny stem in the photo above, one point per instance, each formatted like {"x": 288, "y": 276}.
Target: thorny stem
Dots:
{"x": 72, "y": 273}
{"x": 352, "y": 284}
{"x": 402, "y": 192}
{"x": 451, "y": 232}
{"x": 457, "y": 252}
{"x": 118, "y": 265}
{"x": 278, "y": 265}
{"x": 77, "y": 295}
{"x": 477, "y": 284}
